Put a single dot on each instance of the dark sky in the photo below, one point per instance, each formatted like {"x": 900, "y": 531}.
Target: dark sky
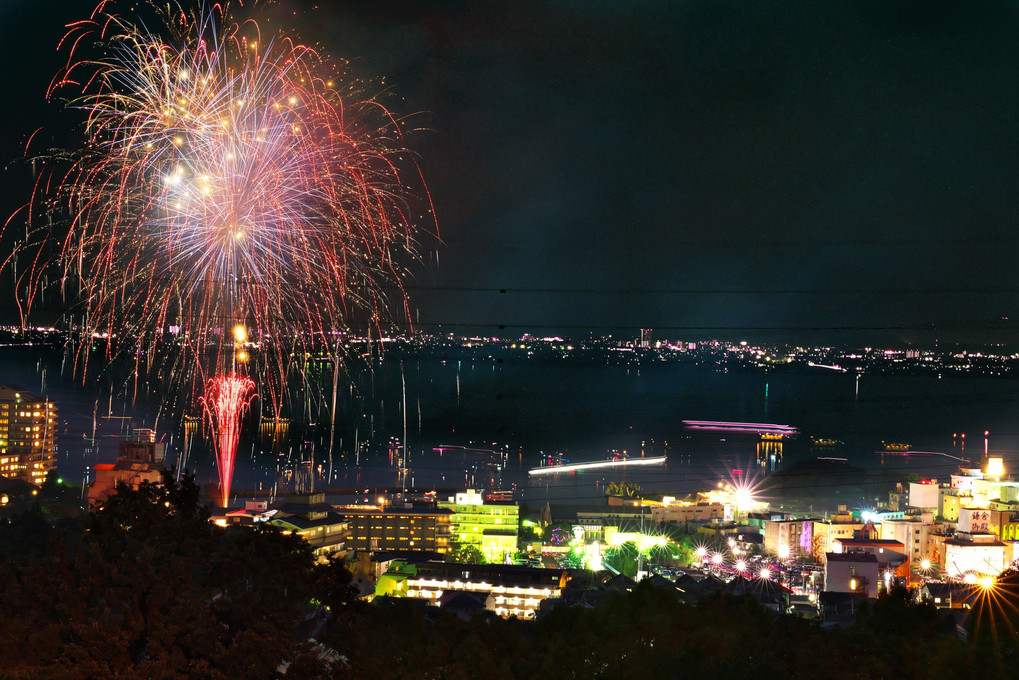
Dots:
{"x": 702, "y": 168}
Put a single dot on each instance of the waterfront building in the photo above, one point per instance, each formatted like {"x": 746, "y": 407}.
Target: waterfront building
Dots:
{"x": 490, "y": 527}
{"x": 397, "y": 529}
{"x": 508, "y": 590}
{"x": 28, "y": 425}
{"x": 253, "y": 512}
{"x": 314, "y": 520}
{"x": 682, "y": 513}
{"x": 139, "y": 460}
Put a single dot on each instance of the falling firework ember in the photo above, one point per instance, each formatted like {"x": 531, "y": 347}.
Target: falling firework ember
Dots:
{"x": 226, "y": 401}
{"x": 226, "y": 181}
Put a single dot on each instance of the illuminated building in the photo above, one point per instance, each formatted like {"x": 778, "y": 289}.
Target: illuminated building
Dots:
{"x": 948, "y": 504}
{"x": 490, "y": 527}
{"x": 890, "y": 554}
{"x": 825, "y": 533}
{"x": 311, "y": 518}
{"x": 924, "y": 494}
{"x": 913, "y": 533}
{"x": 856, "y": 573}
{"x": 788, "y": 538}
{"x": 974, "y": 553}
{"x": 420, "y": 529}
{"x": 680, "y": 513}
{"x": 508, "y": 590}
{"x": 138, "y": 460}
{"x": 27, "y": 435}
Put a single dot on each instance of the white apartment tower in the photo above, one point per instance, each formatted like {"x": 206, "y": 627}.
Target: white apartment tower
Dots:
{"x": 28, "y": 427}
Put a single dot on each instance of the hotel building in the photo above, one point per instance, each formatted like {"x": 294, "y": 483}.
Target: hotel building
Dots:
{"x": 28, "y": 427}
{"x": 490, "y": 527}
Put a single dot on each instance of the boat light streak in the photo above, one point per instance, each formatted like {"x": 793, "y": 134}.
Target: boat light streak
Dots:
{"x": 573, "y": 467}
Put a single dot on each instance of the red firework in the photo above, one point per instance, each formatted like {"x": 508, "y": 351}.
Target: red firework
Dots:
{"x": 226, "y": 401}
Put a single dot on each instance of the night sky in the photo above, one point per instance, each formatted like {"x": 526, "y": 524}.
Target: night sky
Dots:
{"x": 838, "y": 171}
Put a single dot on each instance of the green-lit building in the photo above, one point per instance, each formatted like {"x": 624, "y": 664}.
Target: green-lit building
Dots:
{"x": 490, "y": 527}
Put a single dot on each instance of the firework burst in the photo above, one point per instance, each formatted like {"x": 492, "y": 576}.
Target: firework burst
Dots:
{"x": 224, "y": 182}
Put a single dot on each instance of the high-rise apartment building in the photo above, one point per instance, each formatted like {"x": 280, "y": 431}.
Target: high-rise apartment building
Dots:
{"x": 28, "y": 427}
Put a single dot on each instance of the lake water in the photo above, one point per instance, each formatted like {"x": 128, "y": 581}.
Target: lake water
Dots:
{"x": 525, "y": 410}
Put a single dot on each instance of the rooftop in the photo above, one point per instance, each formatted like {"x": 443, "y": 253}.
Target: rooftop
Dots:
{"x": 851, "y": 557}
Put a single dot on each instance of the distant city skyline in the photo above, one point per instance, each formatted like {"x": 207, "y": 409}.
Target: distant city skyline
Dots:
{"x": 786, "y": 172}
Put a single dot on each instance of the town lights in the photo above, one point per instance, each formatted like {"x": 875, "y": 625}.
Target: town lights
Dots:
{"x": 765, "y": 573}
{"x": 995, "y": 467}
{"x": 783, "y": 552}
{"x": 925, "y": 565}
{"x": 741, "y": 566}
